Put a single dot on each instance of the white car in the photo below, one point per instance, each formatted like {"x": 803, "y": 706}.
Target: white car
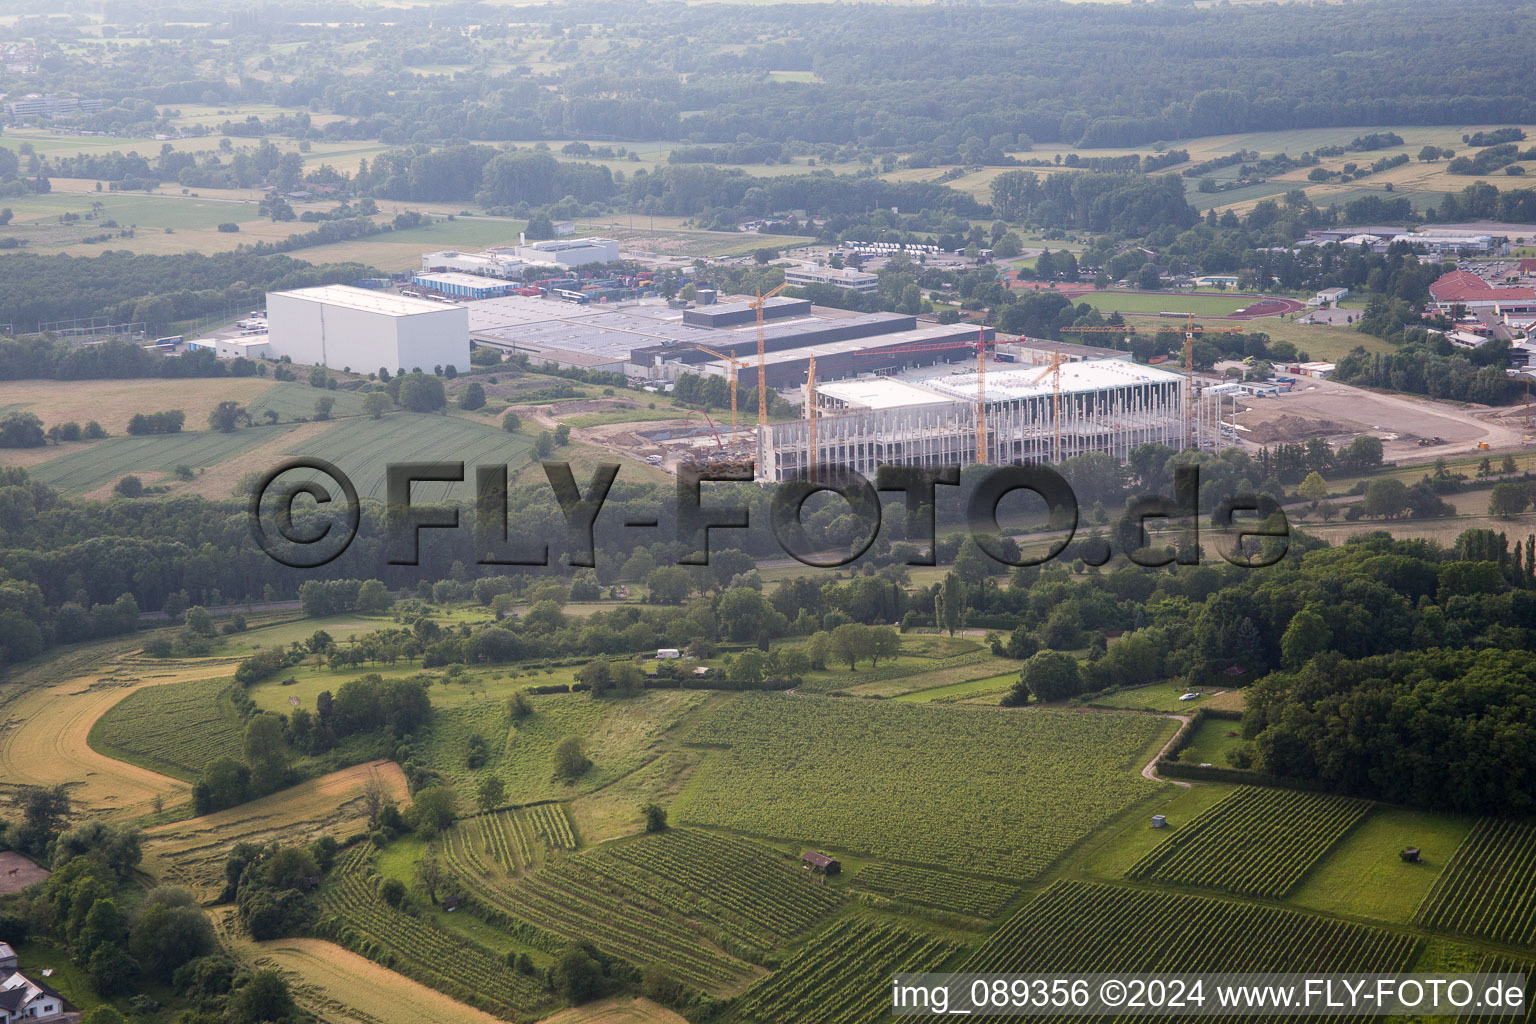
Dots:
{"x": 1189, "y": 696}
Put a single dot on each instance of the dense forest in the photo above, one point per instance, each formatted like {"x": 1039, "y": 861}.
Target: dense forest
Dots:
{"x": 986, "y": 78}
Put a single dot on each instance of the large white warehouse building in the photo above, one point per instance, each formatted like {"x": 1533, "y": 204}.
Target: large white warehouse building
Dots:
{"x": 340, "y": 327}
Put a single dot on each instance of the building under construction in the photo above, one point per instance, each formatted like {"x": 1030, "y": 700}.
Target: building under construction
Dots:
{"x": 1097, "y": 405}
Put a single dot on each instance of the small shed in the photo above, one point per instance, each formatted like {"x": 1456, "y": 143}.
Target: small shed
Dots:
{"x": 820, "y": 862}
{"x": 1159, "y": 821}
{"x": 1410, "y": 855}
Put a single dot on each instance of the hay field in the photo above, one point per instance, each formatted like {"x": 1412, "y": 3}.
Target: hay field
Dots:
{"x": 44, "y": 738}
{"x": 113, "y": 402}
{"x": 192, "y": 852}
{"x": 341, "y": 987}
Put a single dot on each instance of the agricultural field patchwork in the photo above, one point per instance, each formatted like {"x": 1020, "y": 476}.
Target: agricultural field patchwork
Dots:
{"x": 1489, "y": 888}
{"x": 86, "y": 468}
{"x": 1081, "y": 926}
{"x": 960, "y": 787}
{"x": 1256, "y": 842}
{"x": 354, "y": 915}
{"x": 363, "y": 448}
{"x": 192, "y": 852}
{"x": 960, "y": 894}
{"x": 842, "y": 975}
{"x": 618, "y": 736}
{"x": 176, "y": 729}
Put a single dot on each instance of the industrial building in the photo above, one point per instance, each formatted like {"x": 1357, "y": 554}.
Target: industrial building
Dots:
{"x": 463, "y": 286}
{"x": 1111, "y": 406}
{"x": 340, "y": 327}
{"x": 570, "y": 252}
{"x": 492, "y": 263}
{"x": 853, "y": 280}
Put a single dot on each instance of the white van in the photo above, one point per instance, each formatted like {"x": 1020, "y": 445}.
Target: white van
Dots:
{"x": 667, "y": 653}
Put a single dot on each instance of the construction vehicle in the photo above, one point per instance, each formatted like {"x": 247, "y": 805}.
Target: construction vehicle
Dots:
{"x": 1483, "y": 446}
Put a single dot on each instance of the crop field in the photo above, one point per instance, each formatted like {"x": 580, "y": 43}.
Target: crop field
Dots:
{"x": 44, "y": 731}
{"x": 962, "y": 787}
{"x": 1489, "y": 888}
{"x": 619, "y": 737}
{"x": 571, "y": 897}
{"x": 1084, "y": 926}
{"x": 192, "y": 852}
{"x": 337, "y": 985}
{"x": 750, "y": 892}
{"x": 362, "y": 448}
{"x": 963, "y": 690}
{"x": 113, "y": 402}
{"x": 176, "y": 729}
{"x": 353, "y": 914}
{"x": 96, "y": 467}
{"x": 842, "y": 975}
{"x": 553, "y": 826}
{"x": 1256, "y": 842}
{"x": 960, "y": 894}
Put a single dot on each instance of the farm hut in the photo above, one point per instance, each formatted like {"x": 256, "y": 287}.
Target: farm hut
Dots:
{"x": 1159, "y": 821}
{"x": 820, "y": 862}
{"x": 1410, "y": 855}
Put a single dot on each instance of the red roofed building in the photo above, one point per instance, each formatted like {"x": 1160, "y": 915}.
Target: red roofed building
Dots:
{"x": 1527, "y": 265}
{"x": 1463, "y": 288}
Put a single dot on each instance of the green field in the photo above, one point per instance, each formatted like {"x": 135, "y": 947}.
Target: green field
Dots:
{"x": 176, "y": 729}
{"x": 98, "y": 465}
{"x": 1199, "y": 303}
{"x": 1363, "y": 876}
{"x": 363, "y": 449}
{"x": 619, "y": 736}
{"x": 1256, "y": 842}
{"x": 885, "y": 779}
{"x": 1213, "y": 742}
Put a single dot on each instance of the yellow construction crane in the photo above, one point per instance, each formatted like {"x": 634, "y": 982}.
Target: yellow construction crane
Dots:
{"x": 762, "y": 390}
{"x": 734, "y": 364}
{"x": 1190, "y": 330}
{"x": 810, "y": 415}
{"x": 1054, "y": 371}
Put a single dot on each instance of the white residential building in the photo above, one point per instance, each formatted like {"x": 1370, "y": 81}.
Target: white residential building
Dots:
{"x": 26, "y": 999}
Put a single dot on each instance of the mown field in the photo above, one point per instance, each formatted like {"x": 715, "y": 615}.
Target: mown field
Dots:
{"x": 192, "y": 852}
{"x": 885, "y": 779}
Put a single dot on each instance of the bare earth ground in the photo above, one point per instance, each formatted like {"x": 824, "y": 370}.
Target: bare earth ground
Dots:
{"x": 1322, "y": 408}
{"x": 340, "y": 986}
{"x": 43, "y": 738}
{"x": 17, "y": 872}
{"x": 113, "y": 402}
